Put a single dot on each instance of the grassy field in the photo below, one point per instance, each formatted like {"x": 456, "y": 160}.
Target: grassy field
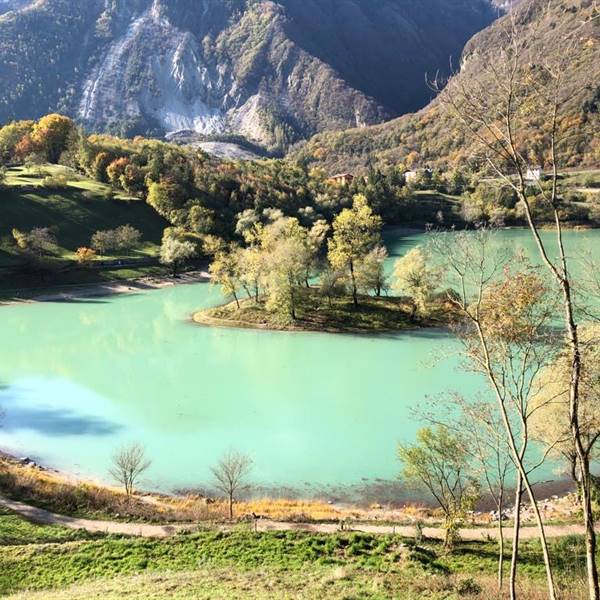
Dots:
{"x": 316, "y": 313}
{"x": 76, "y": 212}
{"x": 244, "y": 564}
{"x": 582, "y": 179}
{"x": 60, "y": 563}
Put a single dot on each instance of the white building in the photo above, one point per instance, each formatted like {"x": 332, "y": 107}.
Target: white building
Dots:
{"x": 534, "y": 174}
{"x": 411, "y": 176}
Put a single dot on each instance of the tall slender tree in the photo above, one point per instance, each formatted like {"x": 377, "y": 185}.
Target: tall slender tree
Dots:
{"x": 515, "y": 112}
{"x": 507, "y": 310}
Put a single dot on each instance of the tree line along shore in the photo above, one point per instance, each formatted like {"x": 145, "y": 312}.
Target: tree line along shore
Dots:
{"x": 82, "y": 207}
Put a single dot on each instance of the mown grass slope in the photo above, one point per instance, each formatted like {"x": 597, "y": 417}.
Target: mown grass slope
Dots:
{"x": 75, "y": 212}
{"x": 58, "y": 563}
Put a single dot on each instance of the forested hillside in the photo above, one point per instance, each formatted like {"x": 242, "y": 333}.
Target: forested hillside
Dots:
{"x": 55, "y": 177}
{"x": 431, "y": 137}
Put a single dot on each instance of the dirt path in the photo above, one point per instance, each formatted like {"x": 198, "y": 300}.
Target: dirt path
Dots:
{"x": 44, "y": 517}
{"x": 473, "y": 534}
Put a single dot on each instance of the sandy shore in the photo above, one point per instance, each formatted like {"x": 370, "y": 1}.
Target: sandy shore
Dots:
{"x": 95, "y": 290}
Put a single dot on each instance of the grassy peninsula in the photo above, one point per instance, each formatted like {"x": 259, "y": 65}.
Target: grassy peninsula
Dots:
{"x": 316, "y": 313}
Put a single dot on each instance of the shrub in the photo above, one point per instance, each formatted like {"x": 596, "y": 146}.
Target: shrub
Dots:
{"x": 85, "y": 255}
{"x": 468, "y": 587}
{"x": 55, "y": 182}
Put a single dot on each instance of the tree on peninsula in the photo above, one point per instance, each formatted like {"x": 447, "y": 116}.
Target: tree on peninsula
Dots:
{"x": 356, "y": 231}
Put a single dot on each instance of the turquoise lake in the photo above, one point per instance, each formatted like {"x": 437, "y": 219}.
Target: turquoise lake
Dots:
{"x": 80, "y": 379}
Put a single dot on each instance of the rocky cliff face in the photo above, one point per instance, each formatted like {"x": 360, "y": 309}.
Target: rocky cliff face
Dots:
{"x": 274, "y": 72}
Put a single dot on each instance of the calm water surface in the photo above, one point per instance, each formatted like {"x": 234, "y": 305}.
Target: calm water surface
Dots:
{"x": 79, "y": 379}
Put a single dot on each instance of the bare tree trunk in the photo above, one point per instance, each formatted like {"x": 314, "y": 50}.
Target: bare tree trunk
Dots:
{"x": 515, "y": 538}
{"x": 354, "y": 290}
{"x": 293, "y": 299}
{"x": 231, "y": 507}
{"x": 590, "y": 534}
{"x": 561, "y": 275}
{"x": 500, "y": 544}
{"x": 518, "y": 459}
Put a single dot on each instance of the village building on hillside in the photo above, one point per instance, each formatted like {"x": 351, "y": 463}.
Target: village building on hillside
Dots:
{"x": 413, "y": 176}
{"x": 534, "y": 175}
{"x": 342, "y": 179}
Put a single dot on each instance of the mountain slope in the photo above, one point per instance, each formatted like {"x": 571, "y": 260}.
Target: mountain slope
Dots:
{"x": 275, "y": 72}
{"x": 431, "y": 137}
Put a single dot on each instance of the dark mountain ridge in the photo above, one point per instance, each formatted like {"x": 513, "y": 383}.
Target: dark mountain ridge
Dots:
{"x": 430, "y": 137}
{"x": 275, "y": 72}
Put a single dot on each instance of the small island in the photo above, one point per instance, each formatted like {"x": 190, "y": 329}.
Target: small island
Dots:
{"x": 337, "y": 315}
{"x": 324, "y": 278}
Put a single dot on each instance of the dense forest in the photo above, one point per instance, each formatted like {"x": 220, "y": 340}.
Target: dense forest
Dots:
{"x": 199, "y": 195}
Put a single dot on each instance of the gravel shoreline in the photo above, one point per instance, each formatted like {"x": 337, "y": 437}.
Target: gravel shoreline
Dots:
{"x": 95, "y": 290}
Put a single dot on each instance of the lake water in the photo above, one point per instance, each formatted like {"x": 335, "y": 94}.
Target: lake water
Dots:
{"x": 80, "y": 379}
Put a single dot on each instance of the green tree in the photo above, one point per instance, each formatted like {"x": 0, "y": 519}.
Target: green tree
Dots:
{"x": 457, "y": 182}
{"x": 10, "y": 136}
{"x": 201, "y": 220}
{"x": 287, "y": 251}
{"x": 370, "y": 272}
{"x": 252, "y": 270}
{"x": 439, "y": 462}
{"x": 165, "y": 198}
{"x": 414, "y": 275}
{"x": 356, "y": 232}
{"x": 132, "y": 180}
{"x": 175, "y": 251}
{"x": 225, "y": 272}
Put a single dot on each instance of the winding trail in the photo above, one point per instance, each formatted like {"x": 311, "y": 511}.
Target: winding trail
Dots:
{"x": 44, "y": 517}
